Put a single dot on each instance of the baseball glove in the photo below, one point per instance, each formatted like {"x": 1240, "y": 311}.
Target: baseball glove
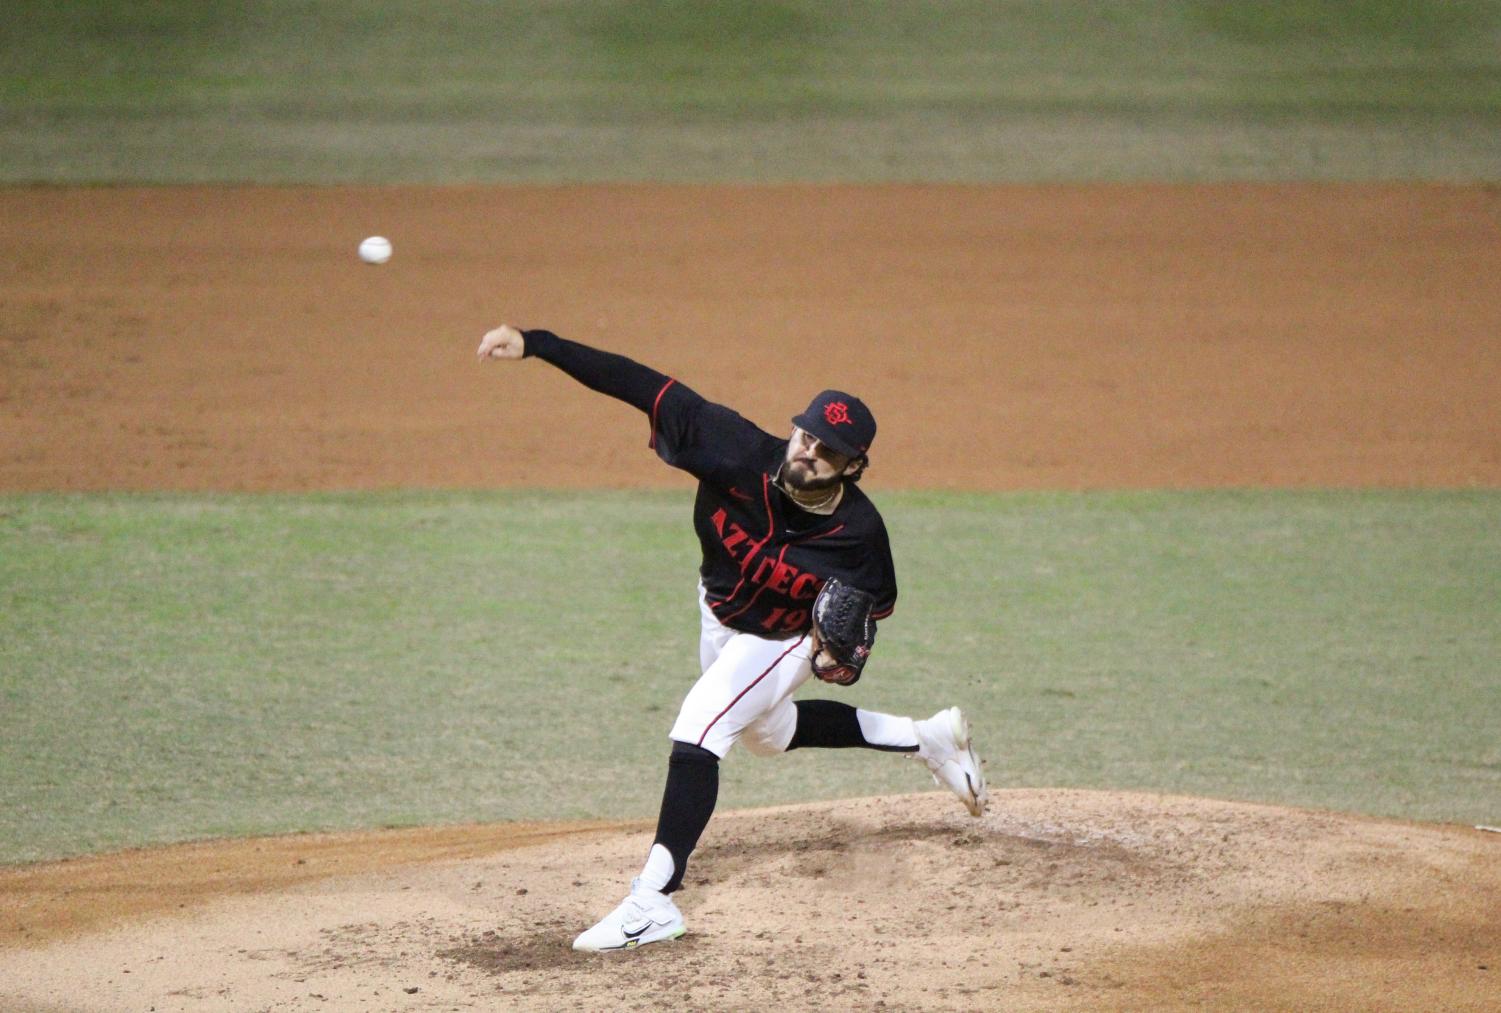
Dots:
{"x": 843, "y": 632}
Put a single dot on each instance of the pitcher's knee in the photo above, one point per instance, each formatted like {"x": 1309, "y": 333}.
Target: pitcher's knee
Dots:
{"x": 760, "y": 746}
{"x": 769, "y": 736}
{"x": 772, "y": 734}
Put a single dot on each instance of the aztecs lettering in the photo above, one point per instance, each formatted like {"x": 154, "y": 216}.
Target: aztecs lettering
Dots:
{"x": 784, "y": 578}
{"x": 768, "y": 573}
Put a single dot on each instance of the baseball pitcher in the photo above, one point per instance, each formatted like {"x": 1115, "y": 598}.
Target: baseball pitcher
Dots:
{"x": 796, "y": 574}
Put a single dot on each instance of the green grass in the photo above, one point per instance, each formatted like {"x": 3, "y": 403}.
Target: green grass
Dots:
{"x": 375, "y": 90}
{"x": 183, "y": 666}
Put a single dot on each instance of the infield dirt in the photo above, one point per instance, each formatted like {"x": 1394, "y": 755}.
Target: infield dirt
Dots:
{"x": 1006, "y": 337}
{"x": 1055, "y": 900}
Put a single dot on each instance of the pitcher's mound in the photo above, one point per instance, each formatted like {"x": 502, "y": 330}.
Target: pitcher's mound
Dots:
{"x": 1055, "y": 900}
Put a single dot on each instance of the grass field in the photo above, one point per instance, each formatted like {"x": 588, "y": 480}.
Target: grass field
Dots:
{"x": 182, "y": 666}
{"x": 356, "y": 90}
{"x": 175, "y": 667}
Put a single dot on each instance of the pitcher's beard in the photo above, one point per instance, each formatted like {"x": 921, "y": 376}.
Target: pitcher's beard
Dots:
{"x": 798, "y": 479}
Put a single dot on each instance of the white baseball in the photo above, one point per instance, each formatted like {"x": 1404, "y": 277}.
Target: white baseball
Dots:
{"x": 375, "y": 250}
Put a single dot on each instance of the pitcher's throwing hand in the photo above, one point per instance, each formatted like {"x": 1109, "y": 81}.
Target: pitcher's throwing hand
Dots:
{"x": 505, "y": 342}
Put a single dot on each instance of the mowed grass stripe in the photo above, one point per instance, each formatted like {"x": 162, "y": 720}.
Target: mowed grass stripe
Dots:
{"x": 590, "y": 90}
{"x": 184, "y": 666}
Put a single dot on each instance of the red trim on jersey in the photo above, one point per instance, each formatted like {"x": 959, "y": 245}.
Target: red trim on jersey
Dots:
{"x": 883, "y": 615}
{"x": 652, "y": 443}
{"x": 721, "y": 603}
{"x": 759, "y": 590}
{"x": 747, "y": 689}
{"x": 771, "y": 526}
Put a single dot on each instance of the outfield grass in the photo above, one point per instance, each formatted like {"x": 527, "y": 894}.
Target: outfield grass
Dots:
{"x": 377, "y": 90}
{"x": 183, "y": 666}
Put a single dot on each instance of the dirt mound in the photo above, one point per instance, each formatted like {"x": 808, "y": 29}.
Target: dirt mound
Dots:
{"x": 1056, "y": 900}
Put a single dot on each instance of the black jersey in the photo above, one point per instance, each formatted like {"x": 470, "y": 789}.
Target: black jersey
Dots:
{"x": 764, "y": 558}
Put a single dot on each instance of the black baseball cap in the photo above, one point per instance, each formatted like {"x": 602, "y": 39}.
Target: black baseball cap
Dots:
{"x": 839, "y": 420}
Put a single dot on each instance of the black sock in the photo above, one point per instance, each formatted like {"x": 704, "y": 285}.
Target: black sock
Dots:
{"x": 687, "y": 803}
{"x": 828, "y": 724}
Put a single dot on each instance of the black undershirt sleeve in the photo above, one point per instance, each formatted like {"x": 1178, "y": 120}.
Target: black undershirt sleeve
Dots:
{"x": 606, "y": 372}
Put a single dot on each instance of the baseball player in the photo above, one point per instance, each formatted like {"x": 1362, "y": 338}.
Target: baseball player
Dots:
{"x": 796, "y": 573}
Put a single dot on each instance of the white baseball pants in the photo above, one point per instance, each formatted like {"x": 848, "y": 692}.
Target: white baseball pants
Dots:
{"x": 745, "y": 691}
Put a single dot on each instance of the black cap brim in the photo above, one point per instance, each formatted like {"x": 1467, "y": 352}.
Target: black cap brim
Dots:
{"x": 824, "y": 433}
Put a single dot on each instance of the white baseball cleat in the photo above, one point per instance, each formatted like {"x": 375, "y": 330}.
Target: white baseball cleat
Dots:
{"x": 943, "y": 744}
{"x": 646, "y": 916}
